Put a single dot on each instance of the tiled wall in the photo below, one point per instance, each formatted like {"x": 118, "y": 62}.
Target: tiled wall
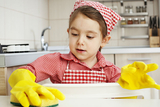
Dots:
{"x": 59, "y": 12}
{"x": 22, "y": 21}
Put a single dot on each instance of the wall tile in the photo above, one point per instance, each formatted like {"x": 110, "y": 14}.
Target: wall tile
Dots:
{"x": 155, "y": 7}
{"x": 14, "y": 25}
{"x": 2, "y": 3}
{"x": 112, "y": 42}
{"x": 7, "y": 3}
{"x": 60, "y": 9}
{"x": 22, "y": 21}
{"x": 150, "y": 8}
{"x": 9, "y": 41}
{"x": 62, "y": 43}
{"x": 136, "y": 31}
{"x": 17, "y": 5}
{"x": 134, "y": 42}
{"x": 2, "y": 21}
{"x": 2, "y": 41}
{"x": 59, "y": 30}
{"x": 31, "y": 27}
{"x": 43, "y": 8}
{"x": 114, "y": 33}
{"x": 42, "y": 25}
{"x": 31, "y": 7}
{"x": 34, "y": 45}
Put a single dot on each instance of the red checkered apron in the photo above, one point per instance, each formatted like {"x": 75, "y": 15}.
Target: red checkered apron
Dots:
{"x": 83, "y": 76}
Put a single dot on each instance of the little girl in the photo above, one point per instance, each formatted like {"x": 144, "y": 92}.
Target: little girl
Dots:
{"x": 89, "y": 30}
{"x": 89, "y": 27}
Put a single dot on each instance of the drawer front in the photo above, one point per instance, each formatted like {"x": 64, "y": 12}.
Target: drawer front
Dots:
{"x": 109, "y": 57}
{"x": 124, "y": 59}
{"x": 3, "y": 80}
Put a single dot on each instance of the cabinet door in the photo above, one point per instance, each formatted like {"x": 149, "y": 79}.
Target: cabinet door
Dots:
{"x": 9, "y": 72}
{"x": 124, "y": 59}
{"x": 109, "y": 57}
{"x": 3, "y": 81}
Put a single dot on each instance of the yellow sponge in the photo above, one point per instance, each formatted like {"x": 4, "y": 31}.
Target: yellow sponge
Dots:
{"x": 45, "y": 102}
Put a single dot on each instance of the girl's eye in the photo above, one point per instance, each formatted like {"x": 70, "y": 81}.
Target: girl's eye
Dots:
{"x": 90, "y": 37}
{"x": 74, "y": 34}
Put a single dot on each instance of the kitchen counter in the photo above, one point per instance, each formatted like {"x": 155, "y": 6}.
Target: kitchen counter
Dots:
{"x": 129, "y": 50}
{"x": 10, "y": 62}
{"x": 15, "y": 59}
{"x": 5, "y": 102}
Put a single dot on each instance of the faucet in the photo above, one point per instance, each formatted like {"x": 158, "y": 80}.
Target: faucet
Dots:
{"x": 44, "y": 46}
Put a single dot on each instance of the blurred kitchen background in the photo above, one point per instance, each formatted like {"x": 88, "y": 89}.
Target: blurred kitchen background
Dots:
{"x": 22, "y": 21}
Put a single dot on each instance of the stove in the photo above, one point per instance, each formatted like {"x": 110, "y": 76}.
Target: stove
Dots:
{"x": 15, "y": 48}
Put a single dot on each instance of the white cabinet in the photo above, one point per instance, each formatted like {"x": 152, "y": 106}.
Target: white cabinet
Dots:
{"x": 109, "y": 57}
{"x": 5, "y": 73}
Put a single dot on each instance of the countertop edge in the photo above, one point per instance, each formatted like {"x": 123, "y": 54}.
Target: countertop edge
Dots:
{"x": 9, "y": 60}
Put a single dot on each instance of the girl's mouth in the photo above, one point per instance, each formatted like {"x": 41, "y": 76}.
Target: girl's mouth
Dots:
{"x": 80, "y": 50}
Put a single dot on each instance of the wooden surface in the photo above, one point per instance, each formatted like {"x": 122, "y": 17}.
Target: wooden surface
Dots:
{"x": 3, "y": 86}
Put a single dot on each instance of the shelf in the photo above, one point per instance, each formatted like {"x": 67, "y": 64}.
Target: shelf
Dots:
{"x": 134, "y": 14}
{"x": 135, "y": 37}
{"x": 139, "y": 59}
{"x": 119, "y": 0}
{"x": 134, "y": 25}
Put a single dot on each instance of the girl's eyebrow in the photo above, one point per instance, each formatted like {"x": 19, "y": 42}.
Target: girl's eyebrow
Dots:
{"x": 89, "y": 31}
{"x": 92, "y": 32}
{"x": 73, "y": 28}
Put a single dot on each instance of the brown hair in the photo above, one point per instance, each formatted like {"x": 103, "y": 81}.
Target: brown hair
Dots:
{"x": 93, "y": 14}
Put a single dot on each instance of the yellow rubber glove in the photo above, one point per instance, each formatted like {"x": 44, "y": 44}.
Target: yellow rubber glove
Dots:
{"x": 27, "y": 92}
{"x": 134, "y": 76}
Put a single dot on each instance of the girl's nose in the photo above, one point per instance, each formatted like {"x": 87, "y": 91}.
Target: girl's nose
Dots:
{"x": 80, "y": 40}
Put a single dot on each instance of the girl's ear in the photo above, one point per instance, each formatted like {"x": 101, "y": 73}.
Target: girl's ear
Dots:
{"x": 68, "y": 30}
{"x": 105, "y": 40}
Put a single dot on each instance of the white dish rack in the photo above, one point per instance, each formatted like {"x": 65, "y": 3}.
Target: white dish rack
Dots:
{"x": 14, "y": 48}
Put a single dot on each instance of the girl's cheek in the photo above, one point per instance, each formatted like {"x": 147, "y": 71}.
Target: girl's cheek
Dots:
{"x": 72, "y": 40}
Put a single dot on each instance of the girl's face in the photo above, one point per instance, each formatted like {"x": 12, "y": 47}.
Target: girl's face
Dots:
{"x": 85, "y": 38}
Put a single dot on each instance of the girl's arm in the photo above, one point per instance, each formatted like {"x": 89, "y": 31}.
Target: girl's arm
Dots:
{"x": 45, "y": 66}
{"x": 24, "y": 89}
{"x": 112, "y": 73}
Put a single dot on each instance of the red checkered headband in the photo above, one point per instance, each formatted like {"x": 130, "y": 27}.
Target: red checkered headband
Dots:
{"x": 110, "y": 17}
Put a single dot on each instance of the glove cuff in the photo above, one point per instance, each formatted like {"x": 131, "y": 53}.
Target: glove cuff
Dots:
{"x": 21, "y": 74}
